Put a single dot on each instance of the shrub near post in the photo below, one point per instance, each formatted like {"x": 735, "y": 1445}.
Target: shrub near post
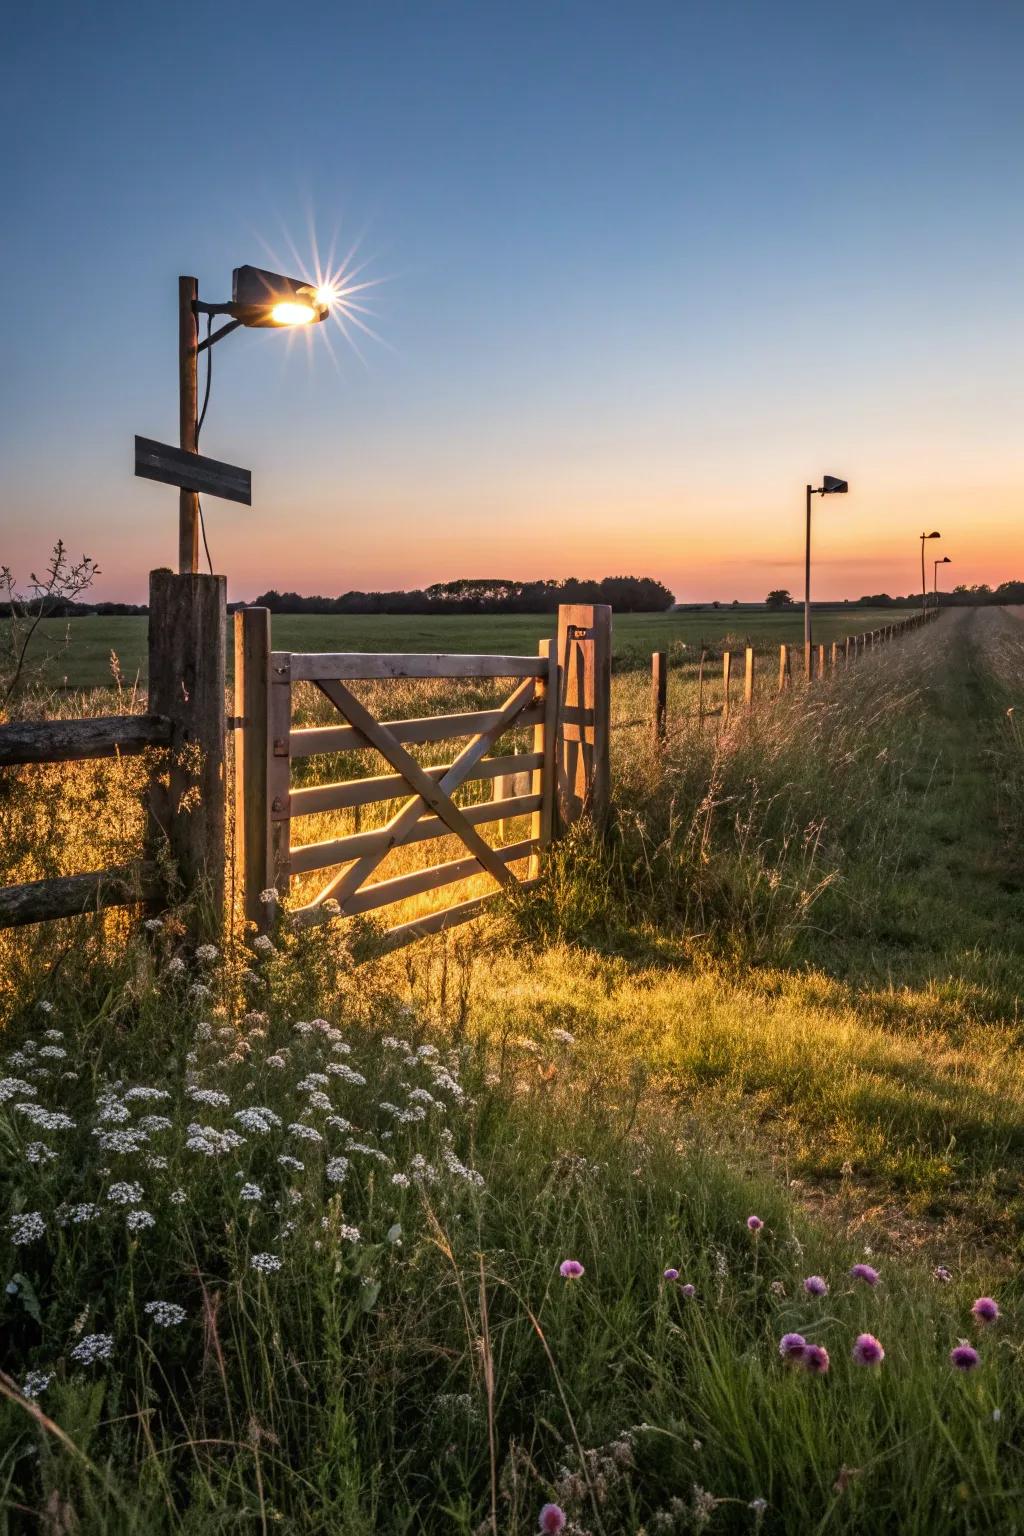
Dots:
{"x": 187, "y": 637}
{"x": 583, "y": 743}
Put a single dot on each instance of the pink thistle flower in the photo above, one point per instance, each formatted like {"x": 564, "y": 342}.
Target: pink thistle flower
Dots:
{"x": 964, "y": 1358}
{"x": 866, "y": 1273}
{"x": 670, "y": 1274}
{"x": 552, "y": 1520}
{"x": 792, "y": 1346}
{"x": 815, "y": 1359}
{"x": 689, "y": 1291}
{"x": 754, "y": 1224}
{"x": 867, "y": 1350}
{"x": 941, "y": 1274}
{"x": 570, "y": 1269}
{"x": 816, "y": 1285}
{"x": 985, "y": 1310}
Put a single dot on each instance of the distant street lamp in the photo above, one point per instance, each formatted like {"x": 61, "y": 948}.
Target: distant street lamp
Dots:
{"x": 935, "y": 575}
{"x": 829, "y": 486}
{"x": 924, "y": 589}
{"x": 258, "y": 298}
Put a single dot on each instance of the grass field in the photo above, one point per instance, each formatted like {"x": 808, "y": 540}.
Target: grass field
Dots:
{"x": 78, "y": 651}
{"x": 786, "y": 985}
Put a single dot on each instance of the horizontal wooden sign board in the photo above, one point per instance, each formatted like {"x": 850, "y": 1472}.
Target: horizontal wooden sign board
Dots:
{"x": 192, "y": 472}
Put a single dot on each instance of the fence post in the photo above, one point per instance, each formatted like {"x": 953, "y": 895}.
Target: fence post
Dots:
{"x": 847, "y": 650}
{"x": 821, "y": 661}
{"x": 726, "y": 683}
{"x": 659, "y": 696}
{"x": 583, "y": 761}
{"x": 542, "y": 824}
{"x": 784, "y": 668}
{"x": 748, "y": 677}
{"x": 252, "y": 812}
{"x": 187, "y": 639}
{"x": 834, "y": 658}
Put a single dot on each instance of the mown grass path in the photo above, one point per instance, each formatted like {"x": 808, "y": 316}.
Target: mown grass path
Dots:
{"x": 871, "y": 1057}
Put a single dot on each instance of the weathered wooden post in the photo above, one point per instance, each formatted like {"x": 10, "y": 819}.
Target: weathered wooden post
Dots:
{"x": 726, "y": 683}
{"x": 748, "y": 677}
{"x": 659, "y": 697}
{"x": 252, "y": 745}
{"x": 700, "y": 693}
{"x": 187, "y": 638}
{"x": 785, "y": 672}
{"x": 848, "y": 649}
{"x": 821, "y": 661}
{"x": 808, "y": 662}
{"x": 583, "y": 756}
{"x": 834, "y": 658}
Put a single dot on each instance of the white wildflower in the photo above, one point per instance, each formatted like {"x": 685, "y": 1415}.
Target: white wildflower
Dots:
{"x": 126, "y": 1192}
{"x": 145, "y": 1095}
{"x": 9, "y": 1086}
{"x": 277, "y": 1062}
{"x": 400, "y": 1180}
{"x": 38, "y": 1153}
{"x": 53, "y": 1052}
{"x": 45, "y": 1119}
{"x": 349, "y": 1234}
{"x": 312, "y": 1081}
{"x": 178, "y": 1197}
{"x": 212, "y": 1097}
{"x": 258, "y": 1119}
{"x": 36, "y": 1383}
{"x": 138, "y": 1221}
{"x": 266, "y": 1263}
{"x": 268, "y": 896}
{"x": 339, "y": 1069}
{"x": 121, "y": 1141}
{"x": 304, "y": 1132}
{"x": 291, "y": 1163}
{"x": 563, "y": 1037}
{"x": 26, "y": 1227}
{"x": 263, "y": 944}
{"x": 250, "y": 1192}
{"x": 176, "y": 966}
{"x": 336, "y": 1169}
{"x": 152, "y": 925}
{"x": 166, "y": 1314}
{"x": 154, "y": 1123}
{"x": 207, "y": 953}
{"x": 95, "y": 1346}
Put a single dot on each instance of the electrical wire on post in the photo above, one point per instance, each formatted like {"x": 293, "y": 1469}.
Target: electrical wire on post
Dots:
{"x": 199, "y": 428}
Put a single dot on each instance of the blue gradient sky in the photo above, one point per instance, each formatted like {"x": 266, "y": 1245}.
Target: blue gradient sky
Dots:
{"x": 647, "y": 269}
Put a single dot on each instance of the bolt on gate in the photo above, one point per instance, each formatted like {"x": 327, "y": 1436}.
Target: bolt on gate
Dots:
{"x": 562, "y": 693}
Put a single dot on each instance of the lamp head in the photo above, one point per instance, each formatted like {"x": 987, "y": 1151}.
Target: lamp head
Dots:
{"x": 931, "y": 535}
{"x": 944, "y": 561}
{"x": 267, "y": 299}
{"x": 830, "y": 486}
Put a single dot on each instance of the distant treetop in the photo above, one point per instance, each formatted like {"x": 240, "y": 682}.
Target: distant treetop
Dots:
{"x": 626, "y": 594}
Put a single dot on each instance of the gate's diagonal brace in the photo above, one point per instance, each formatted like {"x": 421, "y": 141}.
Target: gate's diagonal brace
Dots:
{"x": 428, "y": 793}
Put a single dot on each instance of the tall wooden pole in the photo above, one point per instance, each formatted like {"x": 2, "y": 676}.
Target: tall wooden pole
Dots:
{"x": 188, "y": 413}
{"x": 807, "y": 592}
{"x": 582, "y": 757}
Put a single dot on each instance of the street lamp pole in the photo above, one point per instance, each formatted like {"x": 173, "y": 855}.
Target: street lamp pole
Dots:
{"x": 830, "y": 486}
{"x": 935, "y": 576}
{"x": 924, "y": 585}
{"x": 808, "y": 653}
{"x": 188, "y": 415}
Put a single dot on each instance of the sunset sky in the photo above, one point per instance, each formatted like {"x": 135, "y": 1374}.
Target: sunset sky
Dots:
{"x": 641, "y": 270}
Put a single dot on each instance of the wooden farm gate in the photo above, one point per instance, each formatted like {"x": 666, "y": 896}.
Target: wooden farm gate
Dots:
{"x": 268, "y": 805}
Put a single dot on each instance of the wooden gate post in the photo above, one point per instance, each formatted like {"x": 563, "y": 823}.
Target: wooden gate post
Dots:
{"x": 583, "y": 752}
{"x": 659, "y": 696}
{"x": 187, "y": 637}
{"x": 252, "y": 738}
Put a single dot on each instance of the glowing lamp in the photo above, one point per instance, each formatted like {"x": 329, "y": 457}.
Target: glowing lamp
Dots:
{"x": 830, "y": 486}
{"x": 262, "y": 298}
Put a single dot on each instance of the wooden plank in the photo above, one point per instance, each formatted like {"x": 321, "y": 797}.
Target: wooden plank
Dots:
{"x": 544, "y": 738}
{"x": 314, "y": 667}
{"x": 429, "y": 792}
{"x": 192, "y": 471}
{"x": 392, "y": 786}
{"x": 384, "y": 893}
{"x": 356, "y": 845}
{"x": 312, "y": 741}
{"x": 279, "y": 770}
{"x": 62, "y": 741}
{"x": 344, "y": 884}
{"x": 659, "y": 696}
{"x": 40, "y": 901}
{"x": 188, "y": 805}
{"x": 252, "y": 812}
{"x": 440, "y": 922}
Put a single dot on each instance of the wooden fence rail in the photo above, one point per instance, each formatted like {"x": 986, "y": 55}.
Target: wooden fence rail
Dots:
{"x": 62, "y": 741}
